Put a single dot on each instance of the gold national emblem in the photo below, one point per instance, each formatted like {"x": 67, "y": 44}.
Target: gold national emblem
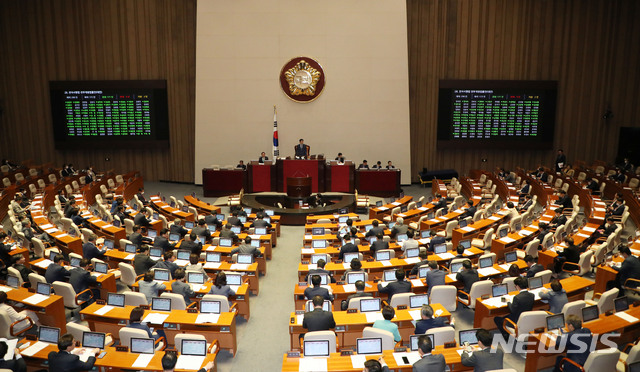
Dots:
{"x": 302, "y": 79}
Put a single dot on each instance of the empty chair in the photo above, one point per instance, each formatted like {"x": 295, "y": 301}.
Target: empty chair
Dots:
{"x": 127, "y": 274}
{"x": 573, "y": 308}
{"x": 442, "y": 335}
{"x": 111, "y": 183}
{"x": 66, "y": 223}
{"x": 387, "y": 337}
{"x": 603, "y": 360}
{"x": 75, "y": 184}
{"x": 604, "y": 300}
{"x": 485, "y": 241}
{"x": 444, "y": 295}
{"x": 119, "y": 179}
{"x": 528, "y": 321}
{"x": 323, "y": 336}
{"x": 34, "y": 279}
{"x": 127, "y": 333}
{"x": 19, "y": 177}
{"x": 52, "y": 178}
{"x": 77, "y": 330}
{"x": 400, "y": 299}
{"x": 177, "y": 301}
{"x": 478, "y": 289}
{"x": 448, "y": 229}
{"x": 10, "y": 330}
{"x": 530, "y": 249}
{"x": 135, "y": 299}
{"x": 630, "y": 355}
{"x": 509, "y": 281}
{"x": 70, "y": 297}
{"x": 394, "y": 212}
{"x": 545, "y": 275}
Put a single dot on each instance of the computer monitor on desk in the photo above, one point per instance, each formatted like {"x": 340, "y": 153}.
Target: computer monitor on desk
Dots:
{"x": 555, "y": 321}
{"x": 213, "y": 256}
{"x": 44, "y": 289}
{"x": 210, "y": 306}
{"x": 416, "y": 301}
{"x": 469, "y": 336}
{"x": 160, "y": 304}
{"x": 196, "y": 278}
{"x": 130, "y": 248}
{"x": 49, "y": 334}
{"x": 369, "y": 304}
{"x": 161, "y": 275}
{"x": 498, "y": 290}
{"x": 590, "y": 313}
{"x": 414, "y": 341}
{"x": 115, "y": 299}
{"x": 348, "y": 257}
{"x": 353, "y": 277}
{"x": 194, "y": 347}
{"x": 93, "y": 340}
{"x": 142, "y": 345}
{"x": 369, "y": 345}
{"x": 260, "y": 231}
{"x": 316, "y": 348}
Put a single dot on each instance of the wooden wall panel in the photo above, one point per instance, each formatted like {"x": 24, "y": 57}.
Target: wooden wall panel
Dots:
{"x": 44, "y": 40}
{"x": 589, "y": 47}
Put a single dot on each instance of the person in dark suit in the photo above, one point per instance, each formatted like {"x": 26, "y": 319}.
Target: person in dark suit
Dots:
{"x": 364, "y": 165}
{"x": 141, "y": 261}
{"x": 359, "y": 293}
{"x": 629, "y": 269}
{"x": 522, "y": 302}
{"x": 177, "y": 228}
{"x": 260, "y": 222}
{"x": 89, "y": 249}
{"x": 423, "y": 261}
{"x": 162, "y": 241}
{"x": 525, "y": 189}
{"x": 340, "y": 158}
{"x": 320, "y": 270}
{"x": 575, "y": 350}
{"x": 544, "y": 231}
{"x": 318, "y": 319}
{"x": 428, "y": 362}
{"x": 355, "y": 266}
{"x": 467, "y": 276}
{"x": 234, "y": 220}
{"x": 137, "y": 238}
{"x": 191, "y": 243}
{"x": 526, "y": 203}
{"x": 19, "y": 264}
{"x": 593, "y": 186}
{"x": 227, "y": 233}
{"x": 170, "y": 359}
{"x": 377, "y": 165}
{"x": 533, "y": 267}
{"x": 564, "y": 200}
{"x": 317, "y": 290}
{"x": 374, "y": 230}
{"x": 201, "y": 228}
{"x": 542, "y": 175}
{"x": 212, "y": 220}
{"x": 347, "y": 247}
{"x": 399, "y": 228}
{"x": 142, "y": 218}
{"x": 561, "y": 161}
{"x": 241, "y": 165}
{"x": 81, "y": 279}
{"x": 64, "y": 360}
{"x": 556, "y": 296}
{"x": 16, "y": 364}
{"x": 558, "y": 220}
{"x": 378, "y": 244}
{"x": 247, "y": 248}
{"x": 56, "y": 271}
{"x": 427, "y": 321}
{"x": 439, "y": 202}
{"x": 616, "y": 208}
{"x": 390, "y": 165}
{"x": 485, "y": 359}
{"x": 618, "y": 177}
{"x": 469, "y": 211}
{"x": 435, "y": 276}
{"x": 435, "y": 240}
{"x": 141, "y": 197}
{"x": 168, "y": 263}
{"x": 302, "y": 150}
{"x": 571, "y": 253}
{"x": 263, "y": 157}
{"x": 399, "y": 286}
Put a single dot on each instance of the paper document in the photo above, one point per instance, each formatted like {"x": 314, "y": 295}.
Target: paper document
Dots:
{"x": 240, "y": 267}
{"x": 155, "y": 318}
{"x": 627, "y": 317}
{"x": 33, "y": 349}
{"x": 357, "y": 361}
{"x": 349, "y": 288}
{"x": 385, "y": 263}
{"x": 211, "y": 265}
{"x": 372, "y": 316}
{"x": 382, "y": 209}
{"x": 526, "y": 232}
{"x": 190, "y": 362}
{"x": 12, "y": 346}
{"x": 589, "y": 229}
{"x": 487, "y": 271}
{"x": 507, "y": 240}
{"x": 452, "y": 277}
{"x": 85, "y": 354}
{"x": 412, "y": 260}
{"x": 505, "y": 267}
{"x": 412, "y": 357}
{"x": 396, "y": 203}
{"x": 4, "y": 288}
{"x": 103, "y": 310}
{"x": 142, "y": 361}
{"x": 44, "y": 263}
{"x": 308, "y": 251}
{"x": 130, "y": 257}
{"x": 346, "y": 265}
{"x": 416, "y": 283}
{"x": 235, "y": 288}
{"x": 415, "y": 314}
{"x": 207, "y": 318}
{"x": 35, "y": 299}
{"x": 494, "y": 302}
{"x": 312, "y": 364}
{"x": 493, "y": 218}
{"x": 467, "y": 228}
{"x": 445, "y": 256}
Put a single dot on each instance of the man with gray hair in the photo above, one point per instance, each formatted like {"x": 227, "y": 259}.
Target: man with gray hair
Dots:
{"x": 399, "y": 228}
{"x": 427, "y": 321}
{"x": 434, "y": 277}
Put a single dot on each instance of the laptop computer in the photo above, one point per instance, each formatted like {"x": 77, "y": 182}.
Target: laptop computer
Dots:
{"x": 130, "y": 248}
{"x": 316, "y": 348}
{"x": 108, "y": 243}
{"x": 502, "y": 233}
{"x": 369, "y": 304}
{"x": 155, "y": 252}
{"x": 260, "y": 231}
{"x": 389, "y": 276}
{"x": 485, "y": 262}
{"x": 468, "y": 335}
{"x": 161, "y": 275}
{"x": 403, "y": 208}
{"x": 455, "y": 267}
{"x": 425, "y": 233}
{"x": 369, "y": 345}
{"x": 402, "y": 237}
{"x": 225, "y": 242}
{"x": 269, "y": 212}
{"x": 422, "y": 272}
{"x": 93, "y": 339}
{"x": 115, "y": 223}
{"x": 141, "y": 345}
{"x": 160, "y": 304}
{"x": 244, "y": 258}
{"x": 115, "y": 299}
{"x": 510, "y": 257}
{"x": 414, "y": 341}
{"x": 194, "y": 347}
{"x": 236, "y": 229}
{"x": 354, "y": 277}
{"x": 383, "y": 255}
{"x": 343, "y": 219}
{"x": 344, "y": 210}
{"x": 220, "y": 217}
{"x": 379, "y": 203}
{"x": 440, "y": 248}
{"x": 418, "y": 300}
{"x": 412, "y": 252}
{"x": 49, "y": 334}
{"x": 466, "y": 244}
{"x": 555, "y": 321}
{"x": 390, "y": 225}
{"x": 13, "y": 281}
{"x": 43, "y": 289}
{"x": 621, "y": 304}
{"x": 152, "y": 233}
{"x": 498, "y": 290}
{"x": 100, "y": 267}
{"x": 155, "y": 216}
{"x": 590, "y": 313}
{"x": 368, "y": 227}
{"x": 319, "y": 243}
{"x": 183, "y": 254}
{"x": 210, "y": 307}
{"x": 317, "y": 231}
{"x": 234, "y": 279}
{"x": 462, "y": 223}
{"x": 196, "y": 278}
{"x": 74, "y": 261}
{"x": 213, "y": 256}
{"x": 243, "y": 219}
{"x": 348, "y": 257}
{"x": 174, "y": 237}
{"x": 535, "y": 283}
{"x": 319, "y": 256}
{"x": 189, "y": 225}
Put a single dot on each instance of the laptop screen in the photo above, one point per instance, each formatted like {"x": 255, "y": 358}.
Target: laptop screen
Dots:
{"x": 142, "y": 345}
{"x": 130, "y": 248}
{"x": 389, "y": 276}
{"x": 555, "y": 321}
{"x": 348, "y": 257}
{"x": 590, "y": 313}
{"x": 247, "y": 210}
{"x": 498, "y": 290}
{"x": 184, "y": 254}
{"x": 343, "y": 219}
{"x": 379, "y": 203}
{"x": 101, "y": 267}
{"x": 225, "y": 242}
{"x": 469, "y": 336}
{"x": 155, "y": 252}
{"x": 319, "y": 256}
{"x": 318, "y": 243}
{"x": 418, "y": 300}
{"x": 194, "y": 347}
{"x": 196, "y": 278}
{"x": 245, "y": 258}
{"x": 425, "y": 233}
{"x": 422, "y": 272}
{"x": 369, "y": 345}
{"x": 220, "y": 217}
{"x": 466, "y": 244}
{"x": 401, "y": 237}
{"x": 368, "y": 227}
{"x": 213, "y": 256}
{"x": 152, "y": 233}
{"x": 517, "y": 226}
{"x": 236, "y": 229}
{"x": 115, "y": 223}
{"x": 13, "y": 281}
{"x": 317, "y": 231}
{"x": 108, "y": 243}
{"x": 269, "y": 212}
{"x": 412, "y": 252}
{"x": 49, "y": 334}
{"x": 502, "y": 233}
{"x": 212, "y": 228}
{"x": 535, "y": 283}
{"x": 174, "y": 237}
{"x": 161, "y": 304}
{"x": 43, "y": 289}
{"x": 326, "y": 305}
{"x": 485, "y": 262}
{"x": 414, "y": 341}
{"x": 260, "y": 231}
{"x": 462, "y": 223}
{"x": 369, "y": 304}
{"x": 317, "y": 348}
{"x": 354, "y": 277}
{"x": 115, "y": 299}
{"x": 234, "y": 279}
{"x": 440, "y": 248}
{"x": 267, "y": 219}
{"x": 243, "y": 219}
{"x": 372, "y": 239}
{"x": 510, "y": 257}
{"x": 455, "y": 267}
{"x": 210, "y": 307}
{"x": 155, "y": 216}
{"x": 390, "y": 225}
{"x": 383, "y": 255}
{"x": 93, "y": 339}
{"x": 188, "y": 225}
{"x": 74, "y": 261}
{"x": 404, "y": 208}
{"x": 621, "y": 304}
{"x": 161, "y": 275}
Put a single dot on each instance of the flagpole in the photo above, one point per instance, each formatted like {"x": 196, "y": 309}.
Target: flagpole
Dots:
{"x": 276, "y": 150}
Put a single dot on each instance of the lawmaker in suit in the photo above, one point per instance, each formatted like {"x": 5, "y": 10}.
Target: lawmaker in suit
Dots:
{"x": 135, "y": 321}
{"x": 16, "y": 364}
{"x": 359, "y": 293}
{"x": 149, "y": 287}
{"x": 64, "y": 360}
{"x": 191, "y": 243}
{"x": 467, "y": 276}
{"x": 576, "y": 338}
{"x": 246, "y": 248}
{"x": 428, "y": 362}
{"x": 435, "y": 276}
{"x": 470, "y": 211}
{"x": 263, "y": 157}
{"x": 56, "y": 271}
{"x": 81, "y": 279}
{"x": 318, "y": 319}
{"x": 142, "y": 218}
{"x": 399, "y": 286}
{"x": 399, "y": 228}
{"x": 168, "y": 263}
{"x": 522, "y": 302}
{"x": 533, "y": 267}
{"x": 177, "y": 228}
{"x": 485, "y": 359}
{"x": 89, "y": 249}
{"x": 180, "y": 287}
{"x": 302, "y": 150}
{"x": 374, "y": 230}
{"x": 320, "y": 270}
{"x": 142, "y": 262}
{"x": 435, "y": 240}
{"x": 364, "y": 165}
{"x": 561, "y": 161}
{"x": 557, "y": 297}
{"x": 629, "y": 269}
{"x": 571, "y": 253}
{"x": 317, "y": 290}
{"x": 348, "y": 247}
{"x": 162, "y": 241}
{"x": 427, "y": 321}
{"x": 378, "y": 244}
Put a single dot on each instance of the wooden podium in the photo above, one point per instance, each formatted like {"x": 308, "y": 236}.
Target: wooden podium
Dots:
{"x": 298, "y": 187}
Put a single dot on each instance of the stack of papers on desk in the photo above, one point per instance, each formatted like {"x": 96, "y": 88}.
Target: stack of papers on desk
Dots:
{"x": 308, "y": 237}
{"x": 33, "y": 349}
{"x": 445, "y": 256}
{"x": 211, "y": 265}
{"x": 312, "y": 364}
{"x": 525, "y": 232}
{"x": 396, "y": 203}
{"x": 44, "y": 263}
{"x": 468, "y": 252}
{"x": 181, "y": 262}
{"x": 627, "y": 317}
{"x": 488, "y": 271}
{"x": 207, "y": 318}
{"x": 412, "y": 356}
{"x": 505, "y": 267}
{"x": 130, "y": 256}
{"x": 583, "y": 235}
{"x": 240, "y": 267}
{"x": 190, "y": 362}
{"x": 415, "y": 314}
{"x": 349, "y": 288}
{"x": 85, "y": 354}
{"x": 4, "y": 288}
{"x": 12, "y": 346}
{"x": 142, "y": 361}
{"x": 312, "y": 266}
{"x": 357, "y": 361}
{"x": 346, "y": 265}
{"x": 495, "y": 301}
{"x": 416, "y": 283}
{"x": 412, "y": 260}
{"x": 255, "y": 237}
{"x": 493, "y": 218}
{"x": 308, "y": 251}
{"x": 299, "y": 319}
{"x": 155, "y": 318}
{"x": 197, "y": 287}
{"x": 458, "y": 210}
{"x": 507, "y": 240}
{"x": 468, "y": 228}
{"x": 51, "y": 230}
{"x": 372, "y": 316}
{"x": 424, "y": 241}
{"x": 385, "y": 263}
{"x": 35, "y": 299}
{"x": 423, "y": 208}
{"x": 589, "y": 229}
{"x": 103, "y": 310}
{"x": 452, "y": 276}
{"x": 235, "y": 287}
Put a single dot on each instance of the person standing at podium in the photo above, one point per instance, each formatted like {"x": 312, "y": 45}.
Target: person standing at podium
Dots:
{"x": 302, "y": 150}
{"x": 263, "y": 157}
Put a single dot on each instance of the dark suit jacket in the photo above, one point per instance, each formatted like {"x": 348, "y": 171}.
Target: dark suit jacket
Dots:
{"x": 395, "y": 287}
{"x": 260, "y": 223}
{"x": 416, "y": 268}
{"x": 211, "y": 220}
{"x": 584, "y": 335}
{"x": 435, "y": 241}
{"x": 141, "y": 198}
{"x": 399, "y": 229}
{"x": 141, "y": 220}
{"x": 522, "y": 302}
{"x": 56, "y": 273}
{"x": 469, "y": 212}
{"x": 16, "y": 365}
{"x": 440, "y": 204}
{"x": 378, "y": 245}
{"x": 162, "y": 242}
{"x": 194, "y": 247}
{"x": 142, "y": 263}
{"x": 630, "y": 268}
{"x": 24, "y": 272}
{"x": 302, "y": 150}
{"x": 558, "y": 220}
{"x": 483, "y": 360}
{"x": 374, "y": 231}
{"x": 534, "y": 269}
{"x": 571, "y": 254}
{"x": 564, "y": 201}
{"x": 89, "y": 251}
{"x": 318, "y": 320}
{"x": 311, "y": 292}
{"x": 347, "y": 248}
{"x": 467, "y": 277}
{"x": 430, "y": 363}
{"x": 136, "y": 238}
{"x": 525, "y": 189}
{"x": 63, "y": 361}
{"x": 434, "y": 278}
{"x": 345, "y": 304}
{"x": 423, "y": 325}
{"x": 235, "y": 221}
{"x": 171, "y": 266}
{"x": 81, "y": 280}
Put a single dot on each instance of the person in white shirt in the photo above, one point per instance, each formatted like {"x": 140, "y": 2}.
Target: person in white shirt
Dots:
{"x": 513, "y": 211}
{"x": 410, "y": 242}
{"x": 15, "y": 316}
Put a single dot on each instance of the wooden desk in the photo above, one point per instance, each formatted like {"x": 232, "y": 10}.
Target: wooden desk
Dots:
{"x": 340, "y": 177}
{"x": 575, "y": 286}
{"x": 168, "y": 211}
{"x": 349, "y": 326}
{"x": 106, "y": 282}
{"x": 201, "y": 206}
{"x": 49, "y": 311}
{"x": 380, "y": 212}
{"x": 178, "y": 321}
{"x": 333, "y": 217}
